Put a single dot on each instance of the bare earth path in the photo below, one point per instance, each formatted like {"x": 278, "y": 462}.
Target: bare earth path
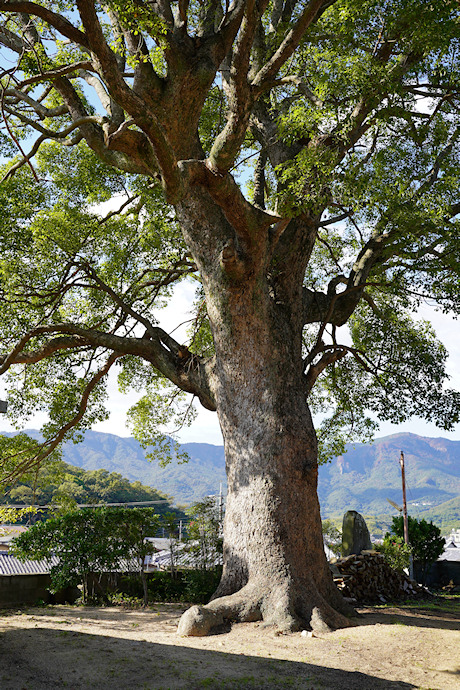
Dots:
{"x": 102, "y": 648}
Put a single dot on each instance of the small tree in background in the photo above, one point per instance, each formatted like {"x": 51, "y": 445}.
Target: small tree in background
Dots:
{"x": 332, "y": 536}
{"x": 169, "y": 524}
{"x": 204, "y": 533}
{"x": 83, "y": 542}
{"x": 424, "y": 538}
{"x": 133, "y": 527}
{"x": 88, "y": 542}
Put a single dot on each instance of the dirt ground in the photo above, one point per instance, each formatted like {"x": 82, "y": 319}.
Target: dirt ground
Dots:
{"x": 102, "y": 648}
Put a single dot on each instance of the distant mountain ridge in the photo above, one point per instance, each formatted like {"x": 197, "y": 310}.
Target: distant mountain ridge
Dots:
{"x": 362, "y": 479}
{"x": 367, "y": 475}
{"x": 185, "y": 482}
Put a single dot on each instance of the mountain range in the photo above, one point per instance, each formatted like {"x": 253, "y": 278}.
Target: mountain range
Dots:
{"x": 362, "y": 479}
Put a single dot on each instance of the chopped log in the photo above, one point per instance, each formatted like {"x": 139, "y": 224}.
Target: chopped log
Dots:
{"x": 368, "y": 579}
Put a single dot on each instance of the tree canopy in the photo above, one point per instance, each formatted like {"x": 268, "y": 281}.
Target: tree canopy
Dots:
{"x": 346, "y": 111}
{"x": 299, "y": 160}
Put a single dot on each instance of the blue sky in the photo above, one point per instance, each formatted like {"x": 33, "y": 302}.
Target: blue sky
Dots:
{"x": 205, "y": 429}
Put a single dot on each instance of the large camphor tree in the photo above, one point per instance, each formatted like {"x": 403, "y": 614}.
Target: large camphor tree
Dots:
{"x": 300, "y": 160}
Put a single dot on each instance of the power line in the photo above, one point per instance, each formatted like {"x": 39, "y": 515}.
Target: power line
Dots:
{"x": 87, "y": 505}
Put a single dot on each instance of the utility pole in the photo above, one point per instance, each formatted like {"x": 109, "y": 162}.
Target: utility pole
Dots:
{"x": 405, "y": 518}
{"x": 406, "y": 522}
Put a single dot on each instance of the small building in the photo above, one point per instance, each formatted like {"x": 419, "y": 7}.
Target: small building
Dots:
{"x": 24, "y": 582}
{"x": 446, "y": 569}
{"x": 454, "y": 538}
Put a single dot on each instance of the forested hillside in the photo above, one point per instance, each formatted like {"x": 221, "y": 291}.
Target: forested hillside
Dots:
{"x": 362, "y": 479}
{"x": 60, "y": 483}
{"x": 186, "y": 482}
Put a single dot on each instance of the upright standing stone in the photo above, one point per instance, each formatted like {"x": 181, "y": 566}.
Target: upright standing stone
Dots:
{"x": 355, "y": 535}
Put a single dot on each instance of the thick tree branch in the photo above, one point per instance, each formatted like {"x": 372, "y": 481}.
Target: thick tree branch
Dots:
{"x": 239, "y": 93}
{"x": 189, "y": 372}
{"x": 106, "y": 64}
{"x": 288, "y": 45}
{"x": 57, "y": 21}
{"x": 248, "y": 221}
{"x": 329, "y": 357}
{"x": 48, "y": 446}
{"x": 11, "y": 41}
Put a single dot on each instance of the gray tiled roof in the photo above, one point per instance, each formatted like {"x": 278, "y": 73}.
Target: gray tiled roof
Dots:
{"x": 450, "y": 555}
{"x": 10, "y": 565}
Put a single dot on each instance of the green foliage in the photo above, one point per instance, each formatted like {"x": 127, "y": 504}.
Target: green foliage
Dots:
{"x": 88, "y": 543}
{"x": 396, "y": 370}
{"x": 424, "y": 538}
{"x": 204, "y": 533}
{"x": 62, "y": 484}
{"x": 332, "y": 536}
{"x": 60, "y": 262}
{"x": 359, "y": 123}
{"x": 194, "y": 586}
{"x": 20, "y": 453}
{"x": 10, "y": 516}
{"x": 407, "y": 370}
{"x": 396, "y": 551}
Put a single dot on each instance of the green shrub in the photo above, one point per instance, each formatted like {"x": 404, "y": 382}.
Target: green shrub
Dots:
{"x": 195, "y": 586}
{"x": 425, "y": 539}
{"x": 120, "y": 599}
{"x": 395, "y": 551}
{"x": 200, "y": 585}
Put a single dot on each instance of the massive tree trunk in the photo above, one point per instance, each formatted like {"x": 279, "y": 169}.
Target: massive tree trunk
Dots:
{"x": 274, "y": 563}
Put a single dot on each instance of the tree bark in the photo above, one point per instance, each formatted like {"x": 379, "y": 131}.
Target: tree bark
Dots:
{"x": 275, "y": 568}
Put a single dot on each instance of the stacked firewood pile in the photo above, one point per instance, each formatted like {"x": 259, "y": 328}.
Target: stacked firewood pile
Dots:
{"x": 367, "y": 578}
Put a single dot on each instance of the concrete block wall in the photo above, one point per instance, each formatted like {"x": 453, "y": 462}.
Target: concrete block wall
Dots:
{"x": 17, "y": 590}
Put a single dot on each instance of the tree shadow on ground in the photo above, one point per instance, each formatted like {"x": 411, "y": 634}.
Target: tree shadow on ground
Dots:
{"x": 40, "y": 659}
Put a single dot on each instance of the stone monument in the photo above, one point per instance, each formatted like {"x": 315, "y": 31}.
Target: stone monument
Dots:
{"x": 355, "y": 535}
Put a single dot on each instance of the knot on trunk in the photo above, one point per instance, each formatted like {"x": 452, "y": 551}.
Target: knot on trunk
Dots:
{"x": 231, "y": 260}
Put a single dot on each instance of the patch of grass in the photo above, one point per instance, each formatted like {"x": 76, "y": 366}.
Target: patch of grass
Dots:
{"x": 440, "y": 603}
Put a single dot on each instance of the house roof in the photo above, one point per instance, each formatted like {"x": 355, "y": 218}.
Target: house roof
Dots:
{"x": 160, "y": 543}
{"x": 450, "y": 555}
{"x": 10, "y": 565}
{"x": 183, "y": 557}
{"x": 9, "y": 532}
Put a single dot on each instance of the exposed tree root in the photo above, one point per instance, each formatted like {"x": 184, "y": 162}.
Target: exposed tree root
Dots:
{"x": 276, "y": 606}
{"x": 242, "y": 607}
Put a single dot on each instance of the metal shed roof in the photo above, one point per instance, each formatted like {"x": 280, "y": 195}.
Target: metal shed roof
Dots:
{"x": 450, "y": 555}
{"x": 10, "y": 565}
